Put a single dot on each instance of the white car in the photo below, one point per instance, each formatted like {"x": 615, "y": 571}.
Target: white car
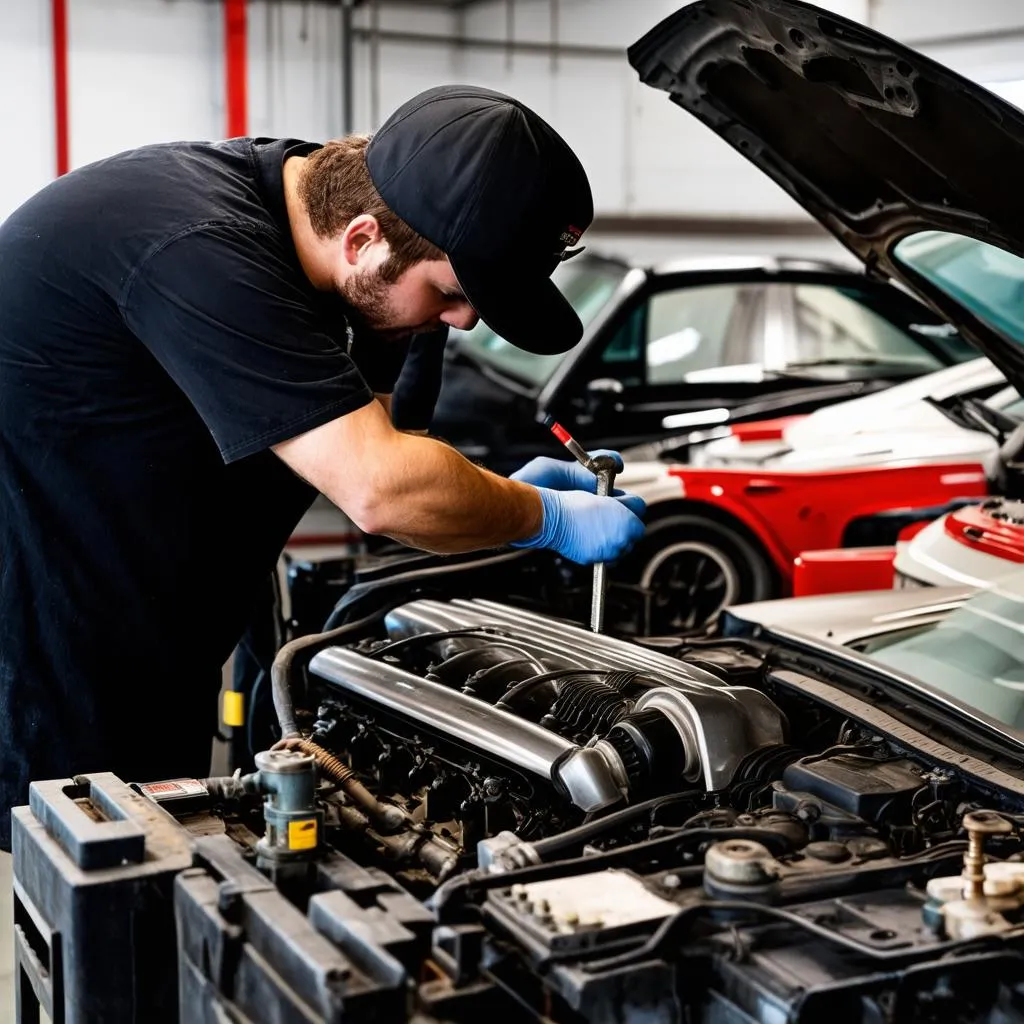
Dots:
{"x": 921, "y": 419}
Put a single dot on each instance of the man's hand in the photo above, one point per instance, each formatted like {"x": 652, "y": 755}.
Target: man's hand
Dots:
{"x": 586, "y": 528}
{"x": 561, "y": 475}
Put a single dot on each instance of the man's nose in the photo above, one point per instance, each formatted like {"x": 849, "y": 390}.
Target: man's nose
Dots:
{"x": 463, "y": 317}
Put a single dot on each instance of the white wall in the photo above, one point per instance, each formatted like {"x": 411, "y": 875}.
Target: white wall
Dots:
{"x": 147, "y": 70}
{"x": 295, "y": 80}
{"x": 140, "y": 72}
{"x": 26, "y": 101}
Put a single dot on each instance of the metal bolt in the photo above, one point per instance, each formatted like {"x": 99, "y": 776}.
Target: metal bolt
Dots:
{"x": 979, "y": 824}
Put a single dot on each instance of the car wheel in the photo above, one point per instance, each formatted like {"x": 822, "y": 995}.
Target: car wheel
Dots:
{"x": 689, "y": 567}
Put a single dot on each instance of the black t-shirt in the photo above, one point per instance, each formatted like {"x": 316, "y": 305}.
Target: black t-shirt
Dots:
{"x": 157, "y": 336}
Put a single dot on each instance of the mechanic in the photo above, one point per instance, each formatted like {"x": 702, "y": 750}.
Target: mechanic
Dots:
{"x": 194, "y": 339}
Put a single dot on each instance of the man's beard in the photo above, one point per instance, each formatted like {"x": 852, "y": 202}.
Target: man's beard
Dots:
{"x": 368, "y": 296}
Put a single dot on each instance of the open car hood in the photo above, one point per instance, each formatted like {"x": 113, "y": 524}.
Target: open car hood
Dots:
{"x": 874, "y": 140}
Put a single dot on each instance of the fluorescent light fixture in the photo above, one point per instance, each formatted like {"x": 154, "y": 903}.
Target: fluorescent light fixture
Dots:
{"x": 695, "y": 419}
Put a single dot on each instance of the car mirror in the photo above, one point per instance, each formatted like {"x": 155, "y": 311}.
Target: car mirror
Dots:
{"x": 601, "y": 394}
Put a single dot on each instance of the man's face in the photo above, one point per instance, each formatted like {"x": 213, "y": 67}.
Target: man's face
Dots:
{"x": 423, "y": 298}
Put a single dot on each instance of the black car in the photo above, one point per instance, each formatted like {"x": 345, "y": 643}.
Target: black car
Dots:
{"x": 691, "y": 345}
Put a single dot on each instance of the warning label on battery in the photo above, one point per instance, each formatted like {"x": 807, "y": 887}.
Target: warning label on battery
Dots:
{"x": 173, "y": 788}
{"x": 302, "y": 834}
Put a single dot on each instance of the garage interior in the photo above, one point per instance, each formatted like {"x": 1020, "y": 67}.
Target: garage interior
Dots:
{"x": 716, "y": 306}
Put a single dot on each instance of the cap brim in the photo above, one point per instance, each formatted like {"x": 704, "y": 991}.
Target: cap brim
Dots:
{"x": 528, "y": 312}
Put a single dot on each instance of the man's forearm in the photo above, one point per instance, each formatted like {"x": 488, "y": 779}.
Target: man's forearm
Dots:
{"x": 429, "y": 496}
{"x": 416, "y": 489}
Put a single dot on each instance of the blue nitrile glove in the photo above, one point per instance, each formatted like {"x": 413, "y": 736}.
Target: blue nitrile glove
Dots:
{"x": 586, "y": 528}
{"x": 560, "y": 475}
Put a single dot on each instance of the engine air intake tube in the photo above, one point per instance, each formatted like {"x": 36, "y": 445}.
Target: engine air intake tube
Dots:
{"x": 592, "y": 778}
{"x": 651, "y": 749}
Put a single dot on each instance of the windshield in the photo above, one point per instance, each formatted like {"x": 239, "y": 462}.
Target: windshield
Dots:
{"x": 986, "y": 279}
{"x": 587, "y": 283}
{"x": 975, "y": 654}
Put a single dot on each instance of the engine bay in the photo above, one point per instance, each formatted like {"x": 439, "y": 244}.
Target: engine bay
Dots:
{"x": 480, "y": 809}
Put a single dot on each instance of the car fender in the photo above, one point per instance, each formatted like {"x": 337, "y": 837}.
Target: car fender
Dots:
{"x": 794, "y": 512}
{"x": 652, "y": 481}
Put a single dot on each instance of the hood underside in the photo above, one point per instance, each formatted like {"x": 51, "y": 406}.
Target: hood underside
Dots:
{"x": 876, "y": 141}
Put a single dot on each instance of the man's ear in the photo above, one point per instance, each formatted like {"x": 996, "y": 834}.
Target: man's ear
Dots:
{"x": 361, "y": 231}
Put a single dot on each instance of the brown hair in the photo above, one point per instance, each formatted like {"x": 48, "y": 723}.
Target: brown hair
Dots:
{"x": 335, "y": 187}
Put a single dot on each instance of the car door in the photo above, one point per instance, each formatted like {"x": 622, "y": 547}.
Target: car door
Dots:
{"x": 692, "y": 355}
{"x": 670, "y": 351}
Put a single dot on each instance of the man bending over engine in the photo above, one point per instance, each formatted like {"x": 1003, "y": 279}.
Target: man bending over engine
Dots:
{"x": 194, "y": 339}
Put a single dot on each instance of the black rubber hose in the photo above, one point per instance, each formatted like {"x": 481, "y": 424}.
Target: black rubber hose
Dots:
{"x": 298, "y": 654}
{"x": 508, "y": 700}
{"x": 496, "y": 637}
{"x": 465, "y": 886}
{"x": 667, "y": 934}
{"x": 550, "y": 848}
{"x": 437, "y": 635}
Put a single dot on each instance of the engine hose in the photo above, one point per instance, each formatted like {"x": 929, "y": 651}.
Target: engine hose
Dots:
{"x": 507, "y": 702}
{"x": 464, "y": 888}
{"x": 298, "y": 654}
{"x": 667, "y": 935}
{"x": 616, "y": 679}
{"x": 557, "y": 845}
{"x": 590, "y": 706}
{"x": 498, "y": 638}
{"x": 339, "y": 772}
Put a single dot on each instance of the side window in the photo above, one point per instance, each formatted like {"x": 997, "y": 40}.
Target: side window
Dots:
{"x": 831, "y": 324}
{"x": 700, "y": 328}
{"x": 622, "y": 357}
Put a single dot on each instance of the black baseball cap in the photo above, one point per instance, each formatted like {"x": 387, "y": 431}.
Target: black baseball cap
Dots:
{"x": 497, "y": 189}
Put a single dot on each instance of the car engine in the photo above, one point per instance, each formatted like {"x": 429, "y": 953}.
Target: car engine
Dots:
{"x": 476, "y": 809}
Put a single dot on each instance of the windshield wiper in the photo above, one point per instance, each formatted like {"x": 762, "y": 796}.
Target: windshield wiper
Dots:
{"x": 850, "y": 361}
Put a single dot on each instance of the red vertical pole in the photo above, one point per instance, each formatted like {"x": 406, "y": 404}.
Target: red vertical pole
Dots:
{"x": 235, "y": 57}
{"x": 59, "y": 12}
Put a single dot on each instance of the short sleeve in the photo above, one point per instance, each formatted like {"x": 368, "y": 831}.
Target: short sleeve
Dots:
{"x": 230, "y": 316}
{"x": 418, "y": 386}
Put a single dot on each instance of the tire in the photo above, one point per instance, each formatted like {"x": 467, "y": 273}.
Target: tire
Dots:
{"x": 688, "y": 567}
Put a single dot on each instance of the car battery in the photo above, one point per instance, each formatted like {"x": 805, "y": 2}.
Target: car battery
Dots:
{"x": 246, "y": 952}
{"x": 94, "y": 869}
{"x": 126, "y": 915}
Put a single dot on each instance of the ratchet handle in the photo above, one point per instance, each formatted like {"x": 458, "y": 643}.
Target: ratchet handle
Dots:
{"x": 604, "y": 468}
